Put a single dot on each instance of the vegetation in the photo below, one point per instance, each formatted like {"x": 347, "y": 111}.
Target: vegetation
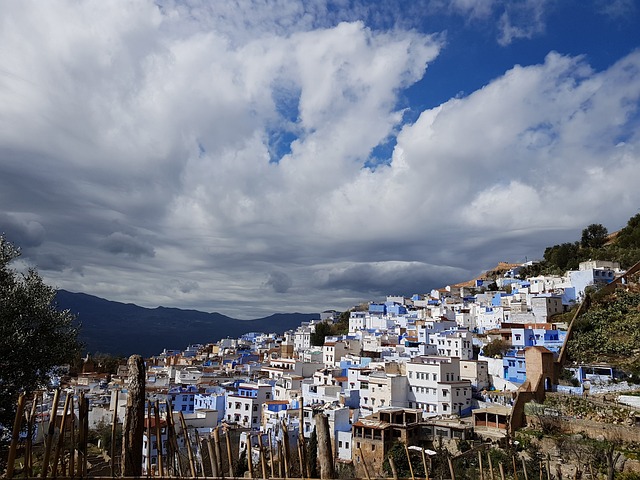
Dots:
{"x": 610, "y": 332}
{"x": 595, "y": 244}
{"x": 496, "y": 348}
{"x": 326, "y": 329}
{"x": 35, "y": 337}
{"x": 594, "y": 236}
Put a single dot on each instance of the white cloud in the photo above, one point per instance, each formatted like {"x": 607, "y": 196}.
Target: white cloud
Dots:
{"x": 135, "y": 152}
{"x": 521, "y": 20}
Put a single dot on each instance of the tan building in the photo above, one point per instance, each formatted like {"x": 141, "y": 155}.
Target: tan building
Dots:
{"x": 374, "y": 435}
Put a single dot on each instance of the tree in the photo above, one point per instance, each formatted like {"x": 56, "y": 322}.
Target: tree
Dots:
{"x": 496, "y": 348}
{"x": 563, "y": 257}
{"x": 322, "y": 330}
{"x": 594, "y": 236}
{"x": 35, "y": 337}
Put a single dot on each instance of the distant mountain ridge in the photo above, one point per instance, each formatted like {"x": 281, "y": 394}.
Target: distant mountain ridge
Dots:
{"x": 125, "y": 328}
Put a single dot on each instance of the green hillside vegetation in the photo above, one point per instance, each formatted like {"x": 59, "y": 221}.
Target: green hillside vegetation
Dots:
{"x": 610, "y": 331}
{"x": 595, "y": 244}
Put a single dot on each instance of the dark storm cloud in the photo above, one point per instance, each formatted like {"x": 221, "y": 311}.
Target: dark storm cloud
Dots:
{"x": 280, "y": 282}
{"x": 22, "y": 232}
{"x": 124, "y": 244}
{"x": 388, "y": 278}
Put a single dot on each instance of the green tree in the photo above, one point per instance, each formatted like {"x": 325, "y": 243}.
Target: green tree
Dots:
{"x": 322, "y": 330}
{"x": 563, "y": 257}
{"x": 495, "y": 348}
{"x": 35, "y": 337}
{"x": 594, "y": 236}
{"x": 629, "y": 236}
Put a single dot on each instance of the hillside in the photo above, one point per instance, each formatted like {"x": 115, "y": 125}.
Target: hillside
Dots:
{"x": 124, "y": 329}
{"x": 610, "y": 331}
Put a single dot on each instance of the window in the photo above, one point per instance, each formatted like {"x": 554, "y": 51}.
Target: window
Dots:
{"x": 373, "y": 447}
{"x": 340, "y": 444}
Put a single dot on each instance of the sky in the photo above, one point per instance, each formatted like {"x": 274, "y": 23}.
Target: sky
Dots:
{"x": 251, "y": 156}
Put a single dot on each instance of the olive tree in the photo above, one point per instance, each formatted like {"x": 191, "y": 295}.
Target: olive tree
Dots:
{"x": 594, "y": 236}
{"x": 35, "y": 337}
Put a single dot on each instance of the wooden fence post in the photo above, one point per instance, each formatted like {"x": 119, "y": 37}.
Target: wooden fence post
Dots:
{"x": 325, "y": 452}
{"x": 134, "y": 419}
{"x": 15, "y": 436}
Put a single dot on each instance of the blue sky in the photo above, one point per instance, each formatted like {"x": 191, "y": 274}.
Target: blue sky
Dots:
{"x": 256, "y": 156}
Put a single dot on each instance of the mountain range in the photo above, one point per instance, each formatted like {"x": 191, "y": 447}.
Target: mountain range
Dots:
{"x": 125, "y": 328}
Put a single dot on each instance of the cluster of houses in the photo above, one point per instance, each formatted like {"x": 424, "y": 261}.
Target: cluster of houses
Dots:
{"x": 407, "y": 368}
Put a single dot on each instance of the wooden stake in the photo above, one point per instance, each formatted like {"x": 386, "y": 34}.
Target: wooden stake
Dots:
{"x": 285, "y": 449}
{"x": 515, "y": 471}
{"x": 480, "y": 464}
{"x": 148, "y": 439}
{"x": 453, "y": 473}
{"x": 15, "y": 436}
{"x": 85, "y": 434}
{"x": 159, "y": 438}
{"x": 406, "y": 450}
{"x": 300, "y": 458}
{"x": 199, "y": 463}
{"x": 60, "y": 443}
{"x": 249, "y": 456}
{"x": 192, "y": 463}
{"x": 281, "y": 471}
{"x": 134, "y": 419}
{"x": 29, "y": 446}
{"x": 263, "y": 460}
{"x": 114, "y": 426}
{"x": 392, "y": 464}
{"x": 212, "y": 458}
{"x": 490, "y": 465}
{"x": 325, "y": 452}
{"x": 218, "y": 450}
{"x": 524, "y": 468}
{"x": 50, "y": 433}
{"x": 501, "y": 471}
{"x": 271, "y": 457}
{"x": 364, "y": 464}
{"x": 229, "y": 454}
{"x": 541, "y": 469}
{"x": 424, "y": 464}
{"x": 548, "y": 467}
{"x": 173, "y": 466}
{"x": 72, "y": 457}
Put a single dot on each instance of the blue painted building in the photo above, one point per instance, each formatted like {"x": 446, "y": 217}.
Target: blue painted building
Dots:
{"x": 182, "y": 398}
{"x": 514, "y": 366}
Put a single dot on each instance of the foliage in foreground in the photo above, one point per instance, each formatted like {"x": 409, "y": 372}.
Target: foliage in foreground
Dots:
{"x": 35, "y": 337}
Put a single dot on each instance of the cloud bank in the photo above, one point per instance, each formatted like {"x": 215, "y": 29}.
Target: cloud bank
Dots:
{"x": 217, "y": 158}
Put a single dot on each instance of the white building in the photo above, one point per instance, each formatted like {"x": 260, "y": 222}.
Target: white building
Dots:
{"x": 435, "y": 386}
{"x": 454, "y": 343}
{"x": 244, "y": 406}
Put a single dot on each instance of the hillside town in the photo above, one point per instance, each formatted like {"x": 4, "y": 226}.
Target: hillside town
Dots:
{"x": 407, "y": 368}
